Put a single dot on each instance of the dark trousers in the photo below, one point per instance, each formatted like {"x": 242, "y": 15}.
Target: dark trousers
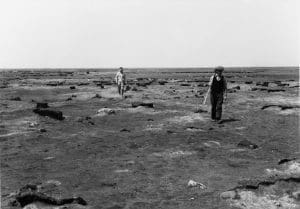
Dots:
{"x": 216, "y": 100}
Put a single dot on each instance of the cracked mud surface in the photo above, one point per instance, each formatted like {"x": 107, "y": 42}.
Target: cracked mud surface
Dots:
{"x": 116, "y": 156}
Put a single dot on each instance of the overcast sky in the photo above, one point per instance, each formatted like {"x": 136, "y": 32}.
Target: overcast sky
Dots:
{"x": 149, "y": 33}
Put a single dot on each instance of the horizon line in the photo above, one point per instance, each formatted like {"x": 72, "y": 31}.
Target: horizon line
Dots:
{"x": 49, "y": 68}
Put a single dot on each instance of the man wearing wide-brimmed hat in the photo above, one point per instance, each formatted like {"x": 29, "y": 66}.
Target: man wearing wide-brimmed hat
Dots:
{"x": 218, "y": 92}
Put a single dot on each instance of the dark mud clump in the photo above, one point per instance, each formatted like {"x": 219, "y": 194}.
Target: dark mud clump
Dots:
{"x": 55, "y": 114}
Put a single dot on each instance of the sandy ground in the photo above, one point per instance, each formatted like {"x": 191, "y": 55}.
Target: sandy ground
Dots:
{"x": 115, "y": 156}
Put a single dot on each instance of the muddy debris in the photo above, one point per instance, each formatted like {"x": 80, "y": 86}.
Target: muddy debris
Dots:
{"x": 285, "y": 160}
{"x": 228, "y": 195}
{"x": 16, "y": 99}
{"x": 265, "y": 83}
{"x": 124, "y": 130}
{"x": 42, "y": 105}
{"x": 282, "y": 107}
{"x": 276, "y": 90}
{"x": 97, "y": 96}
{"x": 143, "y": 104}
{"x": 42, "y": 130}
{"x": 200, "y": 110}
{"x": 37, "y": 193}
{"x": 105, "y": 111}
{"x": 72, "y": 87}
{"x": 259, "y": 89}
{"x": 55, "y": 114}
{"x": 236, "y": 88}
{"x": 247, "y": 144}
{"x": 162, "y": 82}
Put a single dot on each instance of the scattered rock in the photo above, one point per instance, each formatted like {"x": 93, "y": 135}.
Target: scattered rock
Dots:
{"x": 134, "y": 89}
{"x": 106, "y": 111}
{"x": 31, "y": 194}
{"x": 42, "y": 105}
{"x": 124, "y": 130}
{"x": 83, "y": 84}
{"x": 127, "y": 88}
{"x": 283, "y": 107}
{"x": 248, "y": 82}
{"x": 100, "y": 85}
{"x": 33, "y": 124}
{"x": 236, "y": 87}
{"x": 127, "y": 96}
{"x": 162, "y": 82}
{"x": 170, "y": 131}
{"x": 97, "y": 96}
{"x": 231, "y": 91}
{"x": 42, "y": 130}
{"x": 49, "y": 158}
{"x": 16, "y": 99}
{"x": 69, "y": 99}
{"x": 260, "y": 89}
{"x": 282, "y": 84}
{"x": 55, "y": 114}
{"x": 247, "y": 144}
{"x": 122, "y": 171}
{"x": 193, "y": 183}
{"x": 275, "y": 90}
{"x": 144, "y": 104}
{"x": 199, "y": 110}
{"x": 72, "y": 87}
{"x": 228, "y": 195}
{"x": 108, "y": 184}
{"x": 91, "y": 122}
{"x": 296, "y": 195}
{"x": 282, "y": 161}
{"x": 266, "y": 84}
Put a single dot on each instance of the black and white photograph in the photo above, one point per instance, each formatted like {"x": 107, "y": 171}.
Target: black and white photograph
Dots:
{"x": 149, "y": 104}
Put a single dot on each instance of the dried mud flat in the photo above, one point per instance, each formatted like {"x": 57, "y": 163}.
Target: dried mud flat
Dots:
{"x": 69, "y": 141}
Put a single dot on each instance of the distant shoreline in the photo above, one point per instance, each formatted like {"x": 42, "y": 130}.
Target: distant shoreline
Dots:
{"x": 152, "y": 68}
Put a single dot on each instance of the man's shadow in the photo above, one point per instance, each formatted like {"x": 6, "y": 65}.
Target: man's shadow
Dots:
{"x": 228, "y": 120}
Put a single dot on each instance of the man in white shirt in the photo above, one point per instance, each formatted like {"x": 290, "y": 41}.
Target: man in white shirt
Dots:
{"x": 121, "y": 81}
{"x": 218, "y": 92}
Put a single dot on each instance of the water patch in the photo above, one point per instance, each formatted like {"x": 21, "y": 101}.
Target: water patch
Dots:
{"x": 173, "y": 154}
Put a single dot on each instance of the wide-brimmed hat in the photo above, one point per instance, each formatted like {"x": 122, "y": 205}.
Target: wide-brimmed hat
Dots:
{"x": 219, "y": 69}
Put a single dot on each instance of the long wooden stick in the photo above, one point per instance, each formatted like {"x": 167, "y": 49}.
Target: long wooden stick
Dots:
{"x": 205, "y": 98}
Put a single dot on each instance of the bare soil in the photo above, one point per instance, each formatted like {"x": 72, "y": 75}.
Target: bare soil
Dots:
{"x": 114, "y": 155}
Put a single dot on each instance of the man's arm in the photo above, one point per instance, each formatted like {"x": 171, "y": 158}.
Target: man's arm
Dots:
{"x": 116, "y": 78}
{"x": 208, "y": 90}
{"x": 225, "y": 89}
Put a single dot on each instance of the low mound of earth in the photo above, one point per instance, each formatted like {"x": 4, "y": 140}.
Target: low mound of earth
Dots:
{"x": 86, "y": 147}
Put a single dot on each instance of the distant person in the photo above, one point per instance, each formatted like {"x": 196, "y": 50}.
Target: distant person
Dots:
{"x": 121, "y": 81}
{"x": 218, "y": 92}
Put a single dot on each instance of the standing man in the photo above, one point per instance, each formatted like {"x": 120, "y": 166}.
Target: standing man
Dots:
{"x": 218, "y": 93}
{"x": 121, "y": 81}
